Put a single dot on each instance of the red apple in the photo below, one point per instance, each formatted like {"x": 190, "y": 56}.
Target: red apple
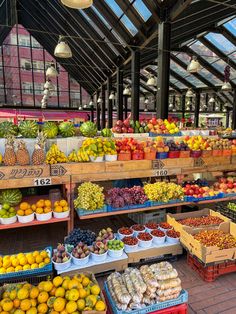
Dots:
{"x": 191, "y": 192}
{"x": 130, "y": 130}
{"x": 126, "y": 123}
{"x": 118, "y": 129}
{"x": 124, "y": 129}
{"x": 222, "y": 180}
{"x": 230, "y": 185}
{"x": 119, "y": 123}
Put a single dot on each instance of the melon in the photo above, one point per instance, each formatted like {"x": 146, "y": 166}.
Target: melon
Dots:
{"x": 66, "y": 129}
{"x": 50, "y": 129}
{"x": 12, "y": 197}
{"x": 88, "y": 129}
{"x": 8, "y": 128}
{"x": 106, "y": 132}
{"x": 29, "y": 129}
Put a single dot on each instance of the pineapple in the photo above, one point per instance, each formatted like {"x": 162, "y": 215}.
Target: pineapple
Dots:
{"x": 9, "y": 158}
{"x": 38, "y": 156}
{"x": 22, "y": 154}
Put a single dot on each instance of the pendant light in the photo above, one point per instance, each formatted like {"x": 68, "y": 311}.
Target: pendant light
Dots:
{"x": 171, "y": 106}
{"x": 190, "y": 93}
{"x": 48, "y": 85}
{"x": 46, "y": 92}
{"x": 217, "y": 108}
{"x": 146, "y": 102}
{"x": 127, "y": 91}
{"x": 91, "y": 104}
{"x": 77, "y": 4}
{"x": 62, "y": 49}
{"x": 80, "y": 108}
{"x": 211, "y": 100}
{"x": 112, "y": 96}
{"x": 152, "y": 81}
{"x": 51, "y": 71}
{"x": 194, "y": 66}
{"x": 85, "y": 106}
{"x": 99, "y": 100}
{"x": 226, "y": 87}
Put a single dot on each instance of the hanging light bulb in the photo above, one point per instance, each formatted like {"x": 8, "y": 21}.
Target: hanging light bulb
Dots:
{"x": 46, "y": 92}
{"x": 146, "y": 102}
{"x": 91, "y": 103}
{"x": 99, "y": 100}
{"x": 77, "y": 4}
{"x": 48, "y": 85}
{"x": 152, "y": 81}
{"x": 226, "y": 87}
{"x": 224, "y": 110}
{"x": 51, "y": 71}
{"x": 127, "y": 91}
{"x": 211, "y": 100}
{"x": 194, "y": 66}
{"x": 80, "y": 108}
{"x": 85, "y": 106}
{"x": 217, "y": 108}
{"x": 171, "y": 106}
{"x": 112, "y": 96}
{"x": 190, "y": 93}
{"x": 62, "y": 49}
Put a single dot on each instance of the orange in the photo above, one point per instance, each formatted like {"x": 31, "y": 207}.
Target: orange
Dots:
{"x": 47, "y": 285}
{"x": 7, "y": 305}
{"x": 33, "y": 302}
{"x": 35, "y": 253}
{"x": 43, "y": 297}
{"x": 47, "y": 210}
{"x": 25, "y": 305}
{"x": 33, "y": 207}
{"x": 53, "y": 291}
{"x": 57, "y": 203}
{"x": 71, "y": 306}
{"x": 32, "y": 310}
{"x": 42, "y": 308}
{"x": 60, "y": 292}
{"x": 44, "y": 254}
{"x": 38, "y": 260}
{"x": 26, "y": 267}
{"x": 20, "y": 212}
{"x": 58, "y": 209}
{"x": 40, "y": 203}
{"x": 34, "y": 292}
{"x": 63, "y": 203}
{"x": 39, "y": 210}
{"x": 65, "y": 208}
{"x": 16, "y": 303}
{"x": 35, "y": 265}
{"x": 18, "y": 268}
{"x": 57, "y": 281}
{"x": 23, "y": 261}
{"x": 59, "y": 304}
{"x": 30, "y": 259}
{"x": 24, "y": 205}
{"x": 28, "y": 212}
{"x": 48, "y": 203}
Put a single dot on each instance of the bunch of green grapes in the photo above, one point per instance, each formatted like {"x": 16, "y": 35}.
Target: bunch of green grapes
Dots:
{"x": 163, "y": 191}
{"x": 90, "y": 196}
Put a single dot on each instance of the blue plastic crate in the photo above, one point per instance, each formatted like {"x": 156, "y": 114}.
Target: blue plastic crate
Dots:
{"x": 84, "y": 212}
{"x": 115, "y": 209}
{"x": 164, "y": 135}
{"x": 183, "y": 298}
{"x": 144, "y": 205}
{"x": 31, "y": 272}
{"x": 156, "y": 203}
{"x": 162, "y": 155}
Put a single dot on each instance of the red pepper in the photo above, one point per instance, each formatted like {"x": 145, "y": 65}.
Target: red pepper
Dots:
{"x": 125, "y": 230}
{"x": 165, "y": 225}
{"x": 144, "y": 236}
{"x": 151, "y": 225}
{"x": 158, "y": 233}
{"x": 138, "y": 227}
{"x": 173, "y": 234}
{"x": 130, "y": 240}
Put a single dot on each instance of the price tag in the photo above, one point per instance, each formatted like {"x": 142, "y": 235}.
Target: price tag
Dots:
{"x": 162, "y": 173}
{"x": 42, "y": 181}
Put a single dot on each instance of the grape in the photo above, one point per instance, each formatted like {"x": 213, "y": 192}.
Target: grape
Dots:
{"x": 163, "y": 191}
{"x": 79, "y": 235}
{"x": 90, "y": 196}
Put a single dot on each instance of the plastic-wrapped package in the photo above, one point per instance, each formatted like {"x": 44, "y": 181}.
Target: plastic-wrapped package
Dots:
{"x": 163, "y": 274}
{"x": 169, "y": 283}
{"x": 150, "y": 290}
{"x": 169, "y": 292}
{"x": 162, "y": 265}
{"x": 135, "y": 306}
{"x": 136, "y": 296}
{"x": 148, "y": 276}
{"x": 119, "y": 305}
{"x": 119, "y": 287}
{"x": 138, "y": 282}
{"x": 169, "y": 297}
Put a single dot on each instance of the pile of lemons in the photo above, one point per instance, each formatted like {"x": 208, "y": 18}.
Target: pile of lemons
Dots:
{"x": 61, "y": 295}
{"x": 23, "y": 261}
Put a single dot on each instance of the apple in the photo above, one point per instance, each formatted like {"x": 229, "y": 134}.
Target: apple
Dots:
{"x": 126, "y": 123}
{"x": 191, "y": 192}
{"x": 130, "y": 130}
{"x": 222, "y": 180}
{"x": 230, "y": 185}
{"x": 119, "y": 123}
{"x": 230, "y": 179}
{"x": 124, "y": 129}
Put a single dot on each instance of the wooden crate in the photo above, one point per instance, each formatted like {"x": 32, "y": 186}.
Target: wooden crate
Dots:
{"x": 173, "y": 163}
{"x": 142, "y": 254}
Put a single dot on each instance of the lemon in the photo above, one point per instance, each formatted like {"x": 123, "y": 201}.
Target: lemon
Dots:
{"x": 81, "y": 304}
{"x": 95, "y": 290}
{"x": 57, "y": 281}
{"x": 100, "y": 306}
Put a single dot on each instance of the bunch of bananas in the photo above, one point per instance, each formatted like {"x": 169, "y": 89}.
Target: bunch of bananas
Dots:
{"x": 82, "y": 155}
{"x": 73, "y": 156}
{"x": 55, "y": 155}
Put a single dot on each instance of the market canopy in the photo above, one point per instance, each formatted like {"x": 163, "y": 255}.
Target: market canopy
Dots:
{"x": 103, "y": 36}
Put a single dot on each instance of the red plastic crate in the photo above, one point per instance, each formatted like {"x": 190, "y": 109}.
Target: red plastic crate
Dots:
{"x": 211, "y": 272}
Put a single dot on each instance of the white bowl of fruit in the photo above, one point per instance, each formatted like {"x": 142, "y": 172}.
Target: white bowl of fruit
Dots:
{"x": 61, "y": 259}
{"x": 144, "y": 239}
{"x": 61, "y": 209}
{"x": 115, "y": 248}
{"x": 137, "y": 229}
{"x": 7, "y": 214}
{"x": 173, "y": 236}
{"x": 125, "y": 232}
{"x": 80, "y": 254}
{"x": 25, "y": 213}
{"x": 99, "y": 251}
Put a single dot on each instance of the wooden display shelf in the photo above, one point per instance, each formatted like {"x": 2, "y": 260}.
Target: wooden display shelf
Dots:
{"x": 33, "y": 223}
{"x": 167, "y": 205}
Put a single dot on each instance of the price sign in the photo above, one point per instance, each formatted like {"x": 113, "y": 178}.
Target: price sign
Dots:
{"x": 42, "y": 181}
{"x": 162, "y": 173}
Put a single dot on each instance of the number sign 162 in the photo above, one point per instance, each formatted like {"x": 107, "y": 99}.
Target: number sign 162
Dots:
{"x": 42, "y": 181}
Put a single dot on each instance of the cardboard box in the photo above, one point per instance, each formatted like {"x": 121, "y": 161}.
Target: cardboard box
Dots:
{"x": 172, "y": 219}
{"x": 209, "y": 254}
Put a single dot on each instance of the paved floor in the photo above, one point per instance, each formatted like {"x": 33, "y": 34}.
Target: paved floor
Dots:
{"x": 218, "y": 297}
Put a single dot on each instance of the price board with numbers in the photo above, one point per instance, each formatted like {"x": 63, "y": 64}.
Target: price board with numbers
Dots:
{"x": 42, "y": 181}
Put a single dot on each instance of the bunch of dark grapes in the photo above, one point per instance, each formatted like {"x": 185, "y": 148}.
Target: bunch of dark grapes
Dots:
{"x": 120, "y": 197}
{"x": 79, "y": 235}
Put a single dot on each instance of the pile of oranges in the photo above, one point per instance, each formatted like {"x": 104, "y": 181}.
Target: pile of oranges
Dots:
{"x": 23, "y": 261}
{"x": 43, "y": 206}
{"x": 62, "y": 295}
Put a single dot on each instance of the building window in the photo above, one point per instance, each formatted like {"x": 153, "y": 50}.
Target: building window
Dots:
{"x": 25, "y": 64}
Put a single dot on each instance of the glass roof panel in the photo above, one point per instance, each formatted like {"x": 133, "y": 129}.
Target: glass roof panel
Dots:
{"x": 115, "y": 7}
{"x": 178, "y": 69}
{"x": 231, "y": 26}
{"x": 204, "y": 52}
{"x": 129, "y": 25}
{"x": 210, "y": 77}
{"x": 221, "y": 42}
{"x": 177, "y": 83}
{"x": 184, "y": 57}
{"x": 101, "y": 17}
{"x": 195, "y": 81}
{"x": 142, "y": 9}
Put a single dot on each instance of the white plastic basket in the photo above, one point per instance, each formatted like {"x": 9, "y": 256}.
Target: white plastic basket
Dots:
{"x": 62, "y": 266}
{"x": 110, "y": 157}
{"x": 80, "y": 261}
{"x": 61, "y": 215}
{"x": 8, "y": 221}
{"x": 99, "y": 257}
{"x": 25, "y": 219}
{"x": 44, "y": 217}
{"x": 115, "y": 253}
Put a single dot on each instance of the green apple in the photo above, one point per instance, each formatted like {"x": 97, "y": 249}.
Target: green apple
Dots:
{"x": 3, "y": 212}
{"x": 6, "y": 206}
{"x": 12, "y": 215}
{"x": 12, "y": 210}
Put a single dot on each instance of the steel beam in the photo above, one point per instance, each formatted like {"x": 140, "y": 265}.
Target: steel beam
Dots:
{"x": 109, "y": 102}
{"x": 183, "y": 98}
{"x": 119, "y": 94}
{"x": 234, "y": 112}
{"x": 103, "y": 107}
{"x": 163, "y": 70}
{"x": 178, "y": 8}
{"x": 98, "y": 111}
{"x": 135, "y": 85}
{"x": 197, "y": 108}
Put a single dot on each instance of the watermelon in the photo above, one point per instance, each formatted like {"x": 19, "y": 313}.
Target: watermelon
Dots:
{"x": 29, "y": 129}
{"x": 66, "y": 129}
{"x": 50, "y": 129}
{"x": 7, "y": 128}
{"x": 88, "y": 129}
{"x": 106, "y": 132}
{"x": 12, "y": 197}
